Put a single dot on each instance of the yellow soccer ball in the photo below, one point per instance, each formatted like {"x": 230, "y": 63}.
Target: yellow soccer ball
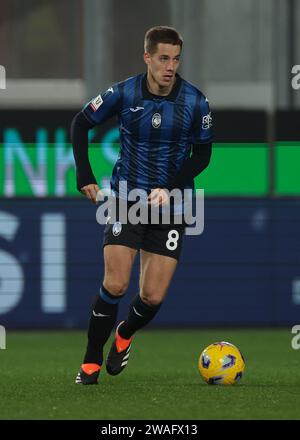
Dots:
{"x": 221, "y": 363}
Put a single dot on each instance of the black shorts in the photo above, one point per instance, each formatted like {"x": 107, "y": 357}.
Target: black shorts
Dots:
{"x": 162, "y": 239}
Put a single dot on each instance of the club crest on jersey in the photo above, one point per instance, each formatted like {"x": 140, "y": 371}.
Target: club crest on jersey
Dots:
{"x": 156, "y": 120}
{"x": 95, "y": 104}
{"x": 117, "y": 228}
{"x": 207, "y": 121}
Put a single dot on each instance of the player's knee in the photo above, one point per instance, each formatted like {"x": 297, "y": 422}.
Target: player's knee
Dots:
{"x": 116, "y": 287}
{"x": 152, "y": 299}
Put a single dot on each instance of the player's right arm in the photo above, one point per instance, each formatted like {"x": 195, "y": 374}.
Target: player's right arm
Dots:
{"x": 94, "y": 113}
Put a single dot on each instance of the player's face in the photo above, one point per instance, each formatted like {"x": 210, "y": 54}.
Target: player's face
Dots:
{"x": 163, "y": 64}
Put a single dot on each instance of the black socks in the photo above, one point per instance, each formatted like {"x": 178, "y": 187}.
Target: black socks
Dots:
{"x": 140, "y": 314}
{"x": 102, "y": 320}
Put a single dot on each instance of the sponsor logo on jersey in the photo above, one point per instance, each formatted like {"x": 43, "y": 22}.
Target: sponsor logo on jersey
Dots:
{"x": 156, "y": 120}
{"x": 207, "y": 121}
{"x": 95, "y": 104}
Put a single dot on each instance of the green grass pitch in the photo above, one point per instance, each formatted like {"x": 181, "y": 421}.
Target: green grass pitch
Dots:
{"x": 161, "y": 380}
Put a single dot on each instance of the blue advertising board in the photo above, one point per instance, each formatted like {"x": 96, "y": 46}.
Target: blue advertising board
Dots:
{"x": 243, "y": 270}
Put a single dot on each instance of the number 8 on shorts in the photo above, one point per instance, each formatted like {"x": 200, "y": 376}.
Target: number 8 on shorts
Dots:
{"x": 171, "y": 243}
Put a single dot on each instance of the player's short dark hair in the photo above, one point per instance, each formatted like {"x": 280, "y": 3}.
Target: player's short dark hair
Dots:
{"x": 161, "y": 34}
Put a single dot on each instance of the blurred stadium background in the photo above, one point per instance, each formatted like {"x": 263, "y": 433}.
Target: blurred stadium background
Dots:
{"x": 245, "y": 268}
{"x": 242, "y": 272}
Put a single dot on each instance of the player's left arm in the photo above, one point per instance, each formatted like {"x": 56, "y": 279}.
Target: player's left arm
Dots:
{"x": 201, "y": 140}
{"x": 193, "y": 166}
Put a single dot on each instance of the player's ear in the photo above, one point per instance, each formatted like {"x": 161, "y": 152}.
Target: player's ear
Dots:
{"x": 146, "y": 58}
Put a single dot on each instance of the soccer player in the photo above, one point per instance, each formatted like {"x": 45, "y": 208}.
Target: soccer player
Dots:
{"x": 165, "y": 142}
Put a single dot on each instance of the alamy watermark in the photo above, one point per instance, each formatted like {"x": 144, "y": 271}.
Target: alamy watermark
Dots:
{"x": 2, "y": 338}
{"x": 2, "y": 77}
{"x": 296, "y": 79}
{"x": 183, "y": 207}
{"x": 296, "y": 339}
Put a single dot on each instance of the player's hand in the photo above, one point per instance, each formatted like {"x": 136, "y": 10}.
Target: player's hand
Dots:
{"x": 91, "y": 191}
{"x": 158, "y": 197}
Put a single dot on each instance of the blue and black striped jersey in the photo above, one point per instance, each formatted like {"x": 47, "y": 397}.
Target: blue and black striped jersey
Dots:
{"x": 156, "y": 132}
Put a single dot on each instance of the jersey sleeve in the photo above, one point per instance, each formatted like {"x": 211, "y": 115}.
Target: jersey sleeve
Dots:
{"x": 202, "y": 131}
{"x": 103, "y": 106}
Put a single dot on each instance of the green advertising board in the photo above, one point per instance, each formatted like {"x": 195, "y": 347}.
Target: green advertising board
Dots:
{"x": 44, "y": 169}
{"x": 287, "y": 168}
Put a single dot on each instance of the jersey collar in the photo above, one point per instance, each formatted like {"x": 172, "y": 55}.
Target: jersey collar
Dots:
{"x": 170, "y": 97}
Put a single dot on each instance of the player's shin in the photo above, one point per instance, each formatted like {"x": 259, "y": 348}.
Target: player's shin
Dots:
{"x": 102, "y": 320}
